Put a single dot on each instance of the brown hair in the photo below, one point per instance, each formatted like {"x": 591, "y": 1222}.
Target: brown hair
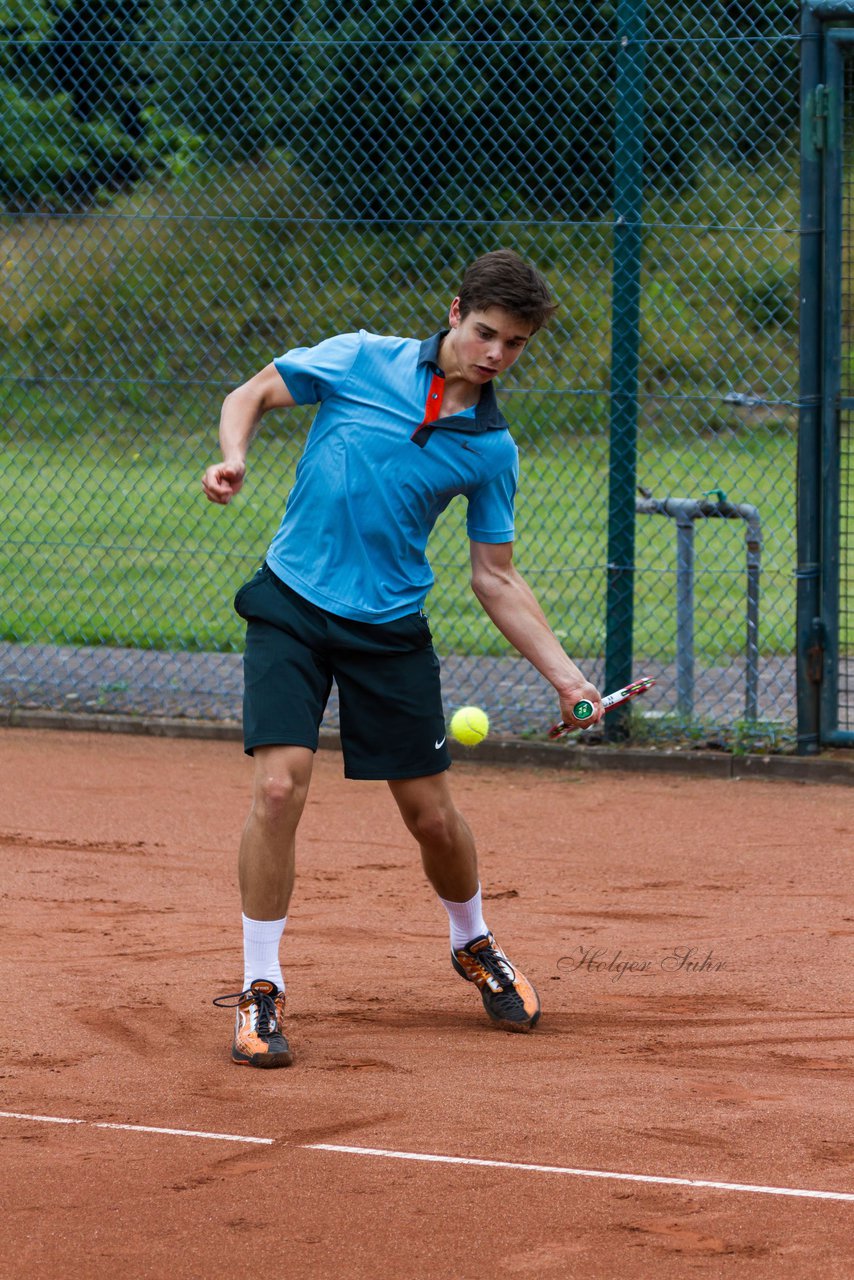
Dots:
{"x": 503, "y": 279}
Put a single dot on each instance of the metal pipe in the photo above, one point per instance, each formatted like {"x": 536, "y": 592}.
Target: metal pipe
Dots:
{"x": 685, "y": 511}
{"x": 751, "y": 688}
{"x": 685, "y": 615}
{"x": 753, "y": 538}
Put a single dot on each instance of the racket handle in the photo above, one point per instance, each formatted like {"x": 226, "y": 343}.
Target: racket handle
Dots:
{"x": 583, "y": 710}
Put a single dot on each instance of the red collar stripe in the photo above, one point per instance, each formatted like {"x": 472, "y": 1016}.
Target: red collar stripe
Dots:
{"x": 433, "y": 406}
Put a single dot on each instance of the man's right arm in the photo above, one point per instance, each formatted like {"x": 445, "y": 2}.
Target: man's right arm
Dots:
{"x": 242, "y": 410}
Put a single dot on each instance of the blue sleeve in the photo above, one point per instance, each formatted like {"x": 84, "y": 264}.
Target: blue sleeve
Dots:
{"x": 312, "y": 374}
{"x": 491, "y": 506}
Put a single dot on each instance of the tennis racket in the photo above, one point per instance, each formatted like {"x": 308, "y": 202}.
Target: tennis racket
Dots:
{"x": 584, "y": 710}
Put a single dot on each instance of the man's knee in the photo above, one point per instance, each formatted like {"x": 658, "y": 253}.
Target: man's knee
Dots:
{"x": 434, "y": 825}
{"x": 280, "y": 795}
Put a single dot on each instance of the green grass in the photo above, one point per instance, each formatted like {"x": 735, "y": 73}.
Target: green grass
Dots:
{"x": 562, "y": 549}
{"x": 130, "y": 324}
{"x": 112, "y": 541}
{"x": 740, "y": 738}
{"x": 206, "y": 276}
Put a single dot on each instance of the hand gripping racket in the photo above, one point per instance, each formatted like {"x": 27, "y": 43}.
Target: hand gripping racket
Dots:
{"x": 584, "y": 710}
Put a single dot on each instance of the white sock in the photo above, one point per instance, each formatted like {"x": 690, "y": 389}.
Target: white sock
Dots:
{"x": 466, "y": 919}
{"x": 261, "y": 951}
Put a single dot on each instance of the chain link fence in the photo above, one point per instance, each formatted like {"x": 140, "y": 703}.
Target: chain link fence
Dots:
{"x": 190, "y": 189}
{"x": 843, "y": 501}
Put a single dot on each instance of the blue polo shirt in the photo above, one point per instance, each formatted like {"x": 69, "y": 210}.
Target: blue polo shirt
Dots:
{"x": 375, "y": 474}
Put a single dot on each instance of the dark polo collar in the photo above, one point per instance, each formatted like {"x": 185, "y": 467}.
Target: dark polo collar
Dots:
{"x": 487, "y": 416}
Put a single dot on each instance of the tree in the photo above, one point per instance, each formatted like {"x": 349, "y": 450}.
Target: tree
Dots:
{"x": 228, "y": 71}
{"x": 506, "y": 109}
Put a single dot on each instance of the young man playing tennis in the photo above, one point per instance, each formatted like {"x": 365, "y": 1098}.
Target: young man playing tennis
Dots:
{"x": 403, "y": 426}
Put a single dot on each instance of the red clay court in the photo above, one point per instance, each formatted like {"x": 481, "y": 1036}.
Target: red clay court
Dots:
{"x": 683, "y": 1109}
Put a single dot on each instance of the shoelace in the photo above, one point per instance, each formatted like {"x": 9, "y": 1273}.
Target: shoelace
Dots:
{"x": 266, "y": 1016}
{"x": 496, "y": 967}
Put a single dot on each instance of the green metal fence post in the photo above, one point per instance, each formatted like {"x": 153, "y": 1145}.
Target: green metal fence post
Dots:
{"x": 809, "y": 627}
{"x": 625, "y": 344}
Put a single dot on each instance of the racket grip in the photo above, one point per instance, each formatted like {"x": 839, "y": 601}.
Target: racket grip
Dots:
{"x": 582, "y": 710}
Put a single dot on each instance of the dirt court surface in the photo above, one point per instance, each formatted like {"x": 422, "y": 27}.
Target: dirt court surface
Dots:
{"x": 691, "y": 941}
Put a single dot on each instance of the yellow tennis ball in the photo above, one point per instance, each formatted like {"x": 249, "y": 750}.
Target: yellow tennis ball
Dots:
{"x": 470, "y": 725}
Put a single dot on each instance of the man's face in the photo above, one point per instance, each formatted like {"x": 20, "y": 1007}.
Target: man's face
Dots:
{"x": 485, "y": 343}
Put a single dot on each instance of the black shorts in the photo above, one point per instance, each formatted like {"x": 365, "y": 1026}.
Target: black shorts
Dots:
{"x": 390, "y": 698}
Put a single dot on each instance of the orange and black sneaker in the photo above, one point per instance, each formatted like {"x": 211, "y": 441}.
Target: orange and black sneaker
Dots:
{"x": 259, "y": 1040}
{"x": 508, "y": 997}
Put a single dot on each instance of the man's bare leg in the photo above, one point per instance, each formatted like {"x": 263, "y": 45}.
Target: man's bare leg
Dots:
{"x": 447, "y": 846}
{"x": 450, "y": 861}
{"x": 266, "y": 874}
{"x": 267, "y": 848}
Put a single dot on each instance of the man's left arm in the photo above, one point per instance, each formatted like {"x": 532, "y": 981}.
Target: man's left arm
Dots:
{"x": 511, "y": 604}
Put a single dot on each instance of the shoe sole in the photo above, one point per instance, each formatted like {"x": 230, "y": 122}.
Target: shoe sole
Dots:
{"x": 523, "y": 1024}
{"x": 520, "y": 1027}
{"x": 267, "y": 1061}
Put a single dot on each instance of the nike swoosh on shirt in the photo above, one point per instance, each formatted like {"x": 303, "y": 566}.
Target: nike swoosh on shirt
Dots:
{"x": 439, "y": 744}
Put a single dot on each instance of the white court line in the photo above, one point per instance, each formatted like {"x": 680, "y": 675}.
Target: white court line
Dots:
{"x": 583, "y": 1173}
{"x": 21, "y": 1115}
{"x": 185, "y": 1133}
{"x": 439, "y": 1159}
{"x": 140, "y": 1128}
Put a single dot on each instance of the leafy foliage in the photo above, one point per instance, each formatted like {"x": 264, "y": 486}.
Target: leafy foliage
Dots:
{"x": 456, "y": 108}
{"x": 71, "y": 85}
